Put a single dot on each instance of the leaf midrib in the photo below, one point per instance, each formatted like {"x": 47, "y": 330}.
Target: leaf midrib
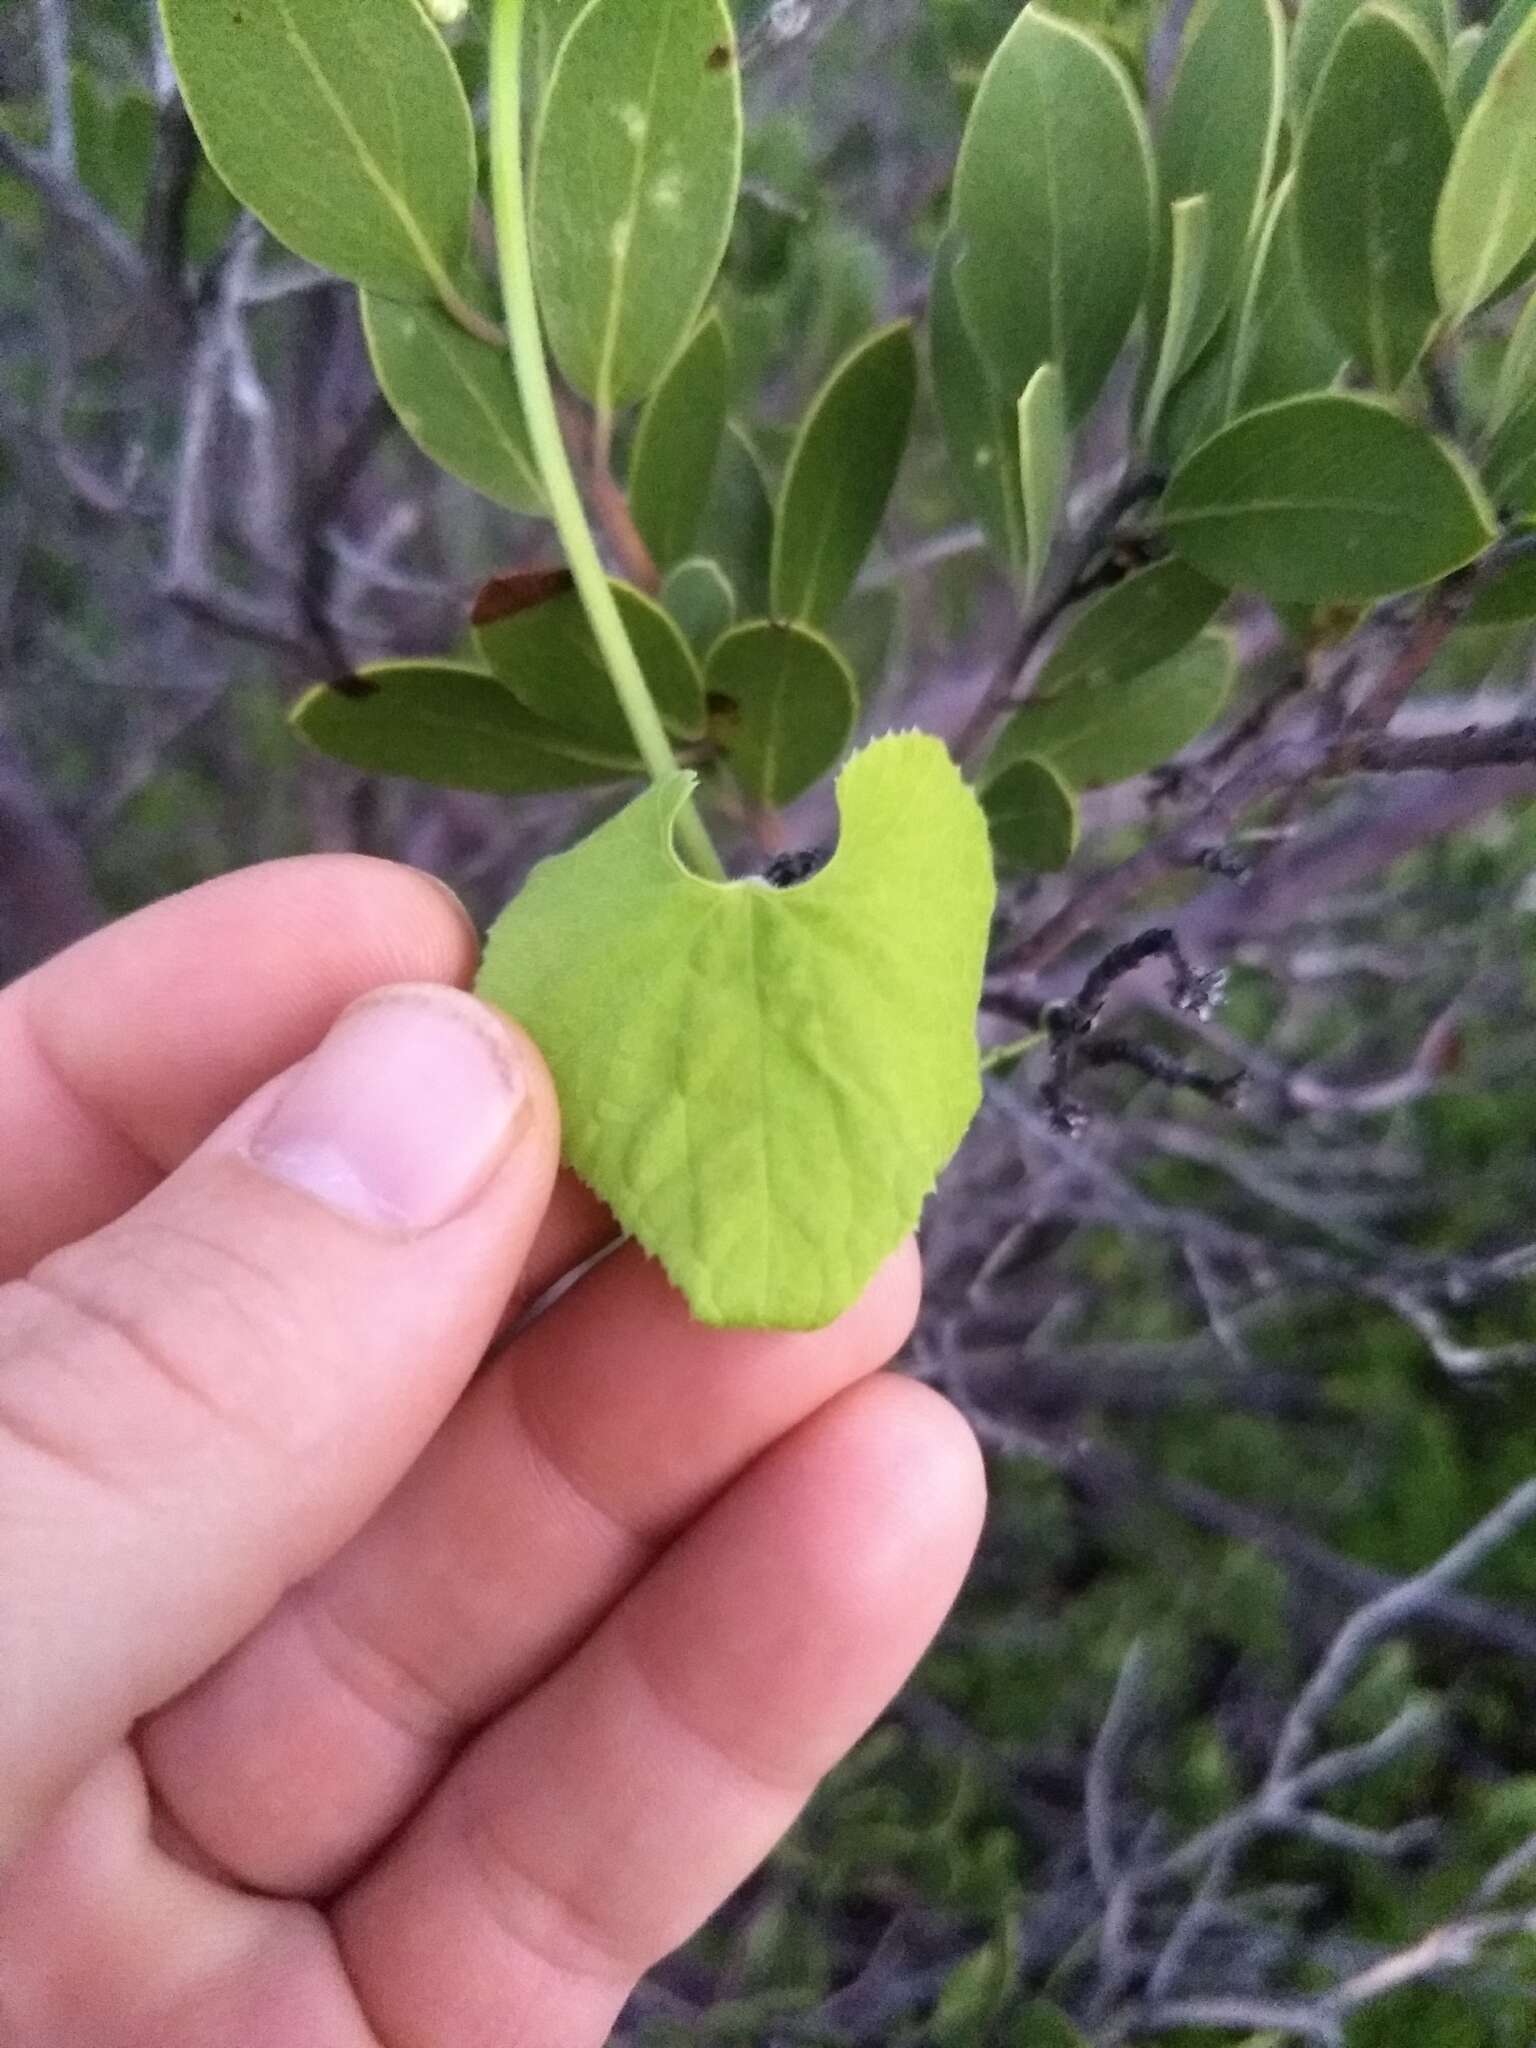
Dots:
{"x": 423, "y": 249}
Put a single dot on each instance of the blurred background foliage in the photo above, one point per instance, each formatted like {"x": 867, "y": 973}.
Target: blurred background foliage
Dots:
{"x": 1236, "y": 1371}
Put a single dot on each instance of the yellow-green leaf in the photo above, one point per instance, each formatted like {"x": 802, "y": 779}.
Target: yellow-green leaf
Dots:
{"x": 784, "y": 703}
{"x": 1486, "y": 224}
{"x": 453, "y": 725}
{"x": 840, "y": 475}
{"x": 1331, "y": 498}
{"x": 1052, "y": 209}
{"x": 636, "y": 164}
{"x": 547, "y": 657}
{"x": 1045, "y": 460}
{"x": 763, "y": 1084}
{"x": 342, "y": 126}
{"x": 1372, "y": 165}
{"x": 456, "y": 397}
{"x": 677, "y": 445}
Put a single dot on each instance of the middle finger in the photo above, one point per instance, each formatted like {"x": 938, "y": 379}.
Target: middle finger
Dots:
{"x": 600, "y": 1432}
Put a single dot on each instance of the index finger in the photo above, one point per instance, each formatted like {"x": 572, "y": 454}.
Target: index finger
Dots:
{"x": 119, "y": 1057}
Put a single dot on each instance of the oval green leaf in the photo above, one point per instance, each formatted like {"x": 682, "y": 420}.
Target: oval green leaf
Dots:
{"x": 636, "y": 164}
{"x": 1032, "y": 815}
{"x": 842, "y": 470}
{"x": 979, "y": 429}
{"x": 549, "y": 660}
{"x": 738, "y": 520}
{"x": 1509, "y": 600}
{"x": 1190, "y": 249}
{"x": 456, "y": 397}
{"x": 1516, "y": 386}
{"x": 1052, "y": 210}
{"x": 1045, "y": 461}
{"x": 1331, "y": 498}
{"x": 300, "y": 107}
{"x": 699, "y": 596}
{"x": 1130, "y": 628}
{"x": 1373, "y": 161}
{"x": 1490, "y": 46}
{"x": 769, "y": 1119}
{"x": 1093, "y": 738}
{"x": 677, "y": 446}
{"x": 785, "y": 703}
{"x": 447, "y": 723}
{"x": 1320, "y": 23}
{"x": 1280, "y": 348}
{"x": 1510, "y": 464}
{"x": 1219, "y": 136}
{"x": 547, "y": 24}
{"x": 1486, "y": 224}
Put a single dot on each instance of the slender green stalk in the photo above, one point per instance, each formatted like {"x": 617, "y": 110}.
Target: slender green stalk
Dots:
{"x": 529, "y": 361}
{"x": 1005, "y": 1055}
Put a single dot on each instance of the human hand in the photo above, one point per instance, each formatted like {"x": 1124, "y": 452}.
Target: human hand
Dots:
{"x": 348, "y": 1697}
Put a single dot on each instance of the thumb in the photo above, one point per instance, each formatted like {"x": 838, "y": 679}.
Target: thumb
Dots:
{"x": 202, "y": 1402}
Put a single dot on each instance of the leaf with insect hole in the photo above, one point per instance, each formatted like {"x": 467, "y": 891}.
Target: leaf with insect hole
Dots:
{"x": 763, "y": 1083}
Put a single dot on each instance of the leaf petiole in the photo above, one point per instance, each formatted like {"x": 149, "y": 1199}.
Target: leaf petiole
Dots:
{"x": 532, "y": 369}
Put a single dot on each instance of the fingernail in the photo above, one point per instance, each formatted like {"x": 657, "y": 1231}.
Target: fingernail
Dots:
{"x": 403, "y": 1114}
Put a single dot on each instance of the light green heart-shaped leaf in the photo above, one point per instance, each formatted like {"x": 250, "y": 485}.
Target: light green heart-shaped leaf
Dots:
{"x": 1032, "y": 815}
{"x": 1096, "y": 737}
{"x": 784, "y": 702}
{"x": 1052, "y": 215}
{"x": 1190, "y": 250}
{"x": 841, "y": 472}
{"x": 1045, "y": 462}
{"x": 1220, "y": 135}
{"x": 447, "y": 723}
{"x": 980, "y": 430}
{"x": 764, "y": 1084}
{"x": 549, "y": 660}
{"x": 1332, "y": 498}
{"x": 1486, "y": 223}
{"x": 456, "y": 397}
{"x": 636, "y": 166}
{"x": 1491, "y": 44}
{"x": 1320, "y": 23}
{"x": 699, "y": 596}
{"x": 1130, "y": 628}
{"x": 1372, "y": 165}
{"x": 677, "y": 445}
{"x": 300, "y": 105}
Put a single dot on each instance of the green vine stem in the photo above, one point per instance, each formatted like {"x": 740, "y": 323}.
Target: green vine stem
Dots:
{"x": 532, "y": 368}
